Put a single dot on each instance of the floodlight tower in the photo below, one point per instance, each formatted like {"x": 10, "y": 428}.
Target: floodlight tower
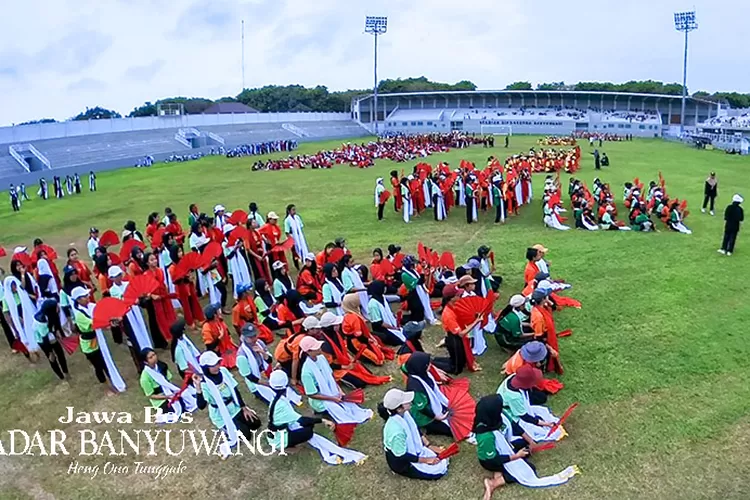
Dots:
{"x": 376, "y": 25}
{"x": 684, "y": 21}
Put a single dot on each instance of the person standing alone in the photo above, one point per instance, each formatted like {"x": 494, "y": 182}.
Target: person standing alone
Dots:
{"x": 710, "y": 190}
{"x": 733, "y": 217}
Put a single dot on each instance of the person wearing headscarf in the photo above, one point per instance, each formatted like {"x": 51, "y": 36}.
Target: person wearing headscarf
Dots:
{"x": 379, "y": 198}
{"x": 155, "y": 381}
{"x": 514, "y": 329}
{"x": 130, "y": 232}
{"x": 290, "y": 429}
{"x": 430, "y": 406}
{"x": 307, "y": 281}
{"x": 218, "y": 390}
{"x": 359, "y": 339}
{"x": 293, "y": 228}
{"x": 457, "y": 338}
{"x": 502, "y": 453}
{"x": 282, "y": 283}
{"x": 265, "y": 304}
{"x": 407, "y": 452}
{"x": 185, "y": 289}
{"x": 245, "y": 312}
{"x": 333, "y": 289}
{"x": 353, "y": 280}
{"x": 133, "y": 324}
{"x": 20, "y": 295}
{"x": 47, "y": 333}
{"x": 184, "y": 353}
{"x": 216, "y": 336}
{"x": 160, "y": 299}
{"x": 384, "y": 323}
{"x": 418, "y": 299}
{"x": 710, "y": 191}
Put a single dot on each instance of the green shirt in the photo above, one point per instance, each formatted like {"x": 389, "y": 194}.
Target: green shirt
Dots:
{"x": 150, "y": 387}
{"x": 311, "y": 388}
{"x": 180, "y": 360}
{"x": 346, "y": 280}
{"x": 409, "y": 281}
{"x": 373, "y": 310}
{"x": 394, "y": 437}
{"x": 41, "y": 331}
{"x": 486, "y": 449}
{"x": 261, "y": 306}
{"x": 514, "y": 404}
{"x": 497, "y": 196}
{"x": 16, "y": 298}
{"x": 421, "y": 401}
{"x": 192, "y": 219}
{"x": 225, "y": 389}
{"x": 512, "y": 323}
{"x": 278, "y": 289}
{"x": 84, "y": 324}
{"x": 328, "y": 293}
{"x": 243, "y": 366}
{"x": 288, "y": 224}
{"x": 283, "y": 414}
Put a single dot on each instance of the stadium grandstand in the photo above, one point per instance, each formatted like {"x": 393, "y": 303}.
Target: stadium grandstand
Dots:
{"x": 533, "y": 112}
{"x": 28, "y": 152}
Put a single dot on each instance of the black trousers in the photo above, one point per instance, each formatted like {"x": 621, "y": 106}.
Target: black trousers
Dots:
{"x": 299, "y": 436}
{"x": 100, "y": 367}
{"x": 245, "y": 425}
{"x": 708, "y": 198}
{"x": 730, "y": 237}
{"x": 457, "y": 354}
{"x": 381, "y": 207}
{"x": 469, "y": 209}
{"x": 6, "y": 329}
{"x": 499, "y": 210}
{"x": 437, "y": 428}
{"x": 402, "y": 467}
{"x": 60, "y": 364}
{"x": 222, "y": 288}
{"x": 16, "y": 208}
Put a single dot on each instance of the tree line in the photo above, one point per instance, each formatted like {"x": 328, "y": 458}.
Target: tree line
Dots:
{"x": 297, "y": 98}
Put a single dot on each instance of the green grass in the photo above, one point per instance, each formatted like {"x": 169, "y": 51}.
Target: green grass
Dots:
{"x": 657, "y": 358}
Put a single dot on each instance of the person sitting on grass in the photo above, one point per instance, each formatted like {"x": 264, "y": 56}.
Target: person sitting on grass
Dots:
{"x": 514, "y": 329}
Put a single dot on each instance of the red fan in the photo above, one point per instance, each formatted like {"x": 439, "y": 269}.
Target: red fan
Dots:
{"x": 191, "y": 261}
{"x": 344, "y": 433}
{"x": 23, "y": 258}
{"x": 19, "y": 347}
{"x": 562, "y": 419}
{"x": 238, "y": 218}
{"x": 238, "y": 233}
{"x": 109, "y": 238}
{"x": 462, "y": 409}
{"x": 51, "y": 254}
{"x": 229, "y": 359}
{"x": 356, "y": 396}
{"x": 158, "y": 238}
{"x": 448, "y": 261}
{"x": 492, "y": 255}
{"x": 140, "y": 286}
{"x": 387, "y": 267}
{"x": 683, "y": 206}
{"x": 451, "y": 450}
{"x": 3, "y": 253}
{"x": 398, "y": 260}
{"x": 335, "y": 256}
{"x": 70, "y": 344}
{"x": 128, "y": 247}
{"x": 422, "y": 252}
{"x": 467, "y": 309}
{"x": 565, "y": 333}
{"x": 114, "y": 258}
{"x": 384, "y": 197}
{"x": 542, "y": 446}
{"x": 284, "y": 246}
{"x": 459, "y": 383}
{"x": 210, "y": 252}
{"x": 109, "y": 308}
{"x": 434, "y": 259}
{"x": 551, "y": 385}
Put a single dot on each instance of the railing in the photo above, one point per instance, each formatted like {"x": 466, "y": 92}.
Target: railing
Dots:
{"x": 12, "y": 149}
{"x": 39, "y": 156}
{"x": 181, "y": 139}
{"x": 216, "y": 137}
{"x": 392, "y": 112}
{"x": 189, "y": 132}
{"x": 295, "y": 130}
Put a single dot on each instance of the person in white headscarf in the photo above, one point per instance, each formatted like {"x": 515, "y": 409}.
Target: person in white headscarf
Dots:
{"x": 379, "y": 201}
{"x": 293, "y": 229}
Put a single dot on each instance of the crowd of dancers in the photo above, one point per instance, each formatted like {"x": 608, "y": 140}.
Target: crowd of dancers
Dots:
{"x": 60, "y": 185}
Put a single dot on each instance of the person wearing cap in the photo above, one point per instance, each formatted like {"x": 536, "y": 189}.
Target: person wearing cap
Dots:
{"x": 514, "y": 329}
{"x": 608, "y": 221}
{"x": 216, "y": 335}
{"x": 93, "y": 343}
{"x": 47, "y": 334}
{"x": 456, "y": 338}
{"x": 236, "y": 260}
{"x": 218, "y": 390}
{"x": 308, "y": 284}
{"x": 282, "y": 283}
{"x": 245, "y": 312}
{"x": 734, "y": 215}
{"x": 536, "y": 354}
{"x": 287, "y": 353}
{"x": 467, "y": 286}
{"x": 534, "y": 419}
{"x": 272, "y": 234}
{"x": 293, "y": 229}
{"x": 322, "y": 390}
{"x": 407, "y": 452}
{"x": 333, "y": 289}
{"x": 710, "y": 191}
{"x": 132, "y": 324}
{"x": 93, "y": 242}
{"x": 358, "y": 335}
{"x": 220, "y": 217}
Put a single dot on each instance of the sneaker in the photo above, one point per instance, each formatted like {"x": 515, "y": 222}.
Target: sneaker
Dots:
{"x": 712, "y": 212}
{"x": 721, "y": 251}
{"x": 729, "y": 253}
{"x": 703, "y": 210}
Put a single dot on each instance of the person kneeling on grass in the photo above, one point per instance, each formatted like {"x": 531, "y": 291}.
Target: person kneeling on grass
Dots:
{"x": 407, "y": 452}
{"x": 501, "y": 452}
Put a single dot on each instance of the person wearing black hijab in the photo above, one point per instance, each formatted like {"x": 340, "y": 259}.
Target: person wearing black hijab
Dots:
{"x": 417, "y": 368}
{"x": 47, "y": 332}
{"x": 332, "y": 281}
{"x": 376, "y": 290}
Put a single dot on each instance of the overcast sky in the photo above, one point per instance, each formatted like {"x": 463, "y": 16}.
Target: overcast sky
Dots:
{"x": 59, "y": 56}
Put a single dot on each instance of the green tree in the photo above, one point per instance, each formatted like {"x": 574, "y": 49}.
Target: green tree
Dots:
{"x": 96, "y": 113}
{"x": 147, "y": 109}
{"x": 519, "y": 86}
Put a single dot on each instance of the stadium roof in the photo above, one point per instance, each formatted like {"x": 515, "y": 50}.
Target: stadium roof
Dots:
{"x": 225, "y": 108}
{"x": 554, "y": 92}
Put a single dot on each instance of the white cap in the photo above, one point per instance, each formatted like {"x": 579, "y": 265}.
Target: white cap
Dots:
{"x": 310, "y": 256}
{"x": 19, "y": 250}
{"x": 310, "y": 323}
{"x": 209, "y": 358}
{"x": 396, "y": 397}
{"x": 737, "y": 199}
{"x": 228, "y": 227}
{"x": 219, "y": 208}
{"x": 278, "y": 265}
{"x": 330, "y": 319}
{"x": 79, "y": 292}
{"x": 272, "y": 215}
{"x": 278, "y": 379}
{"x": 517, "y": 300}
{"x": 114, "y": 271}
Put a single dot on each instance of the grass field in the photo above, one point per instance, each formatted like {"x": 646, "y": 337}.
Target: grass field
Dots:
{"x": 658, "y": 358}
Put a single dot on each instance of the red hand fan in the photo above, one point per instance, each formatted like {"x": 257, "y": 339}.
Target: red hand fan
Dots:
{"x": 191, "y": 261}
{"x": 51, "y": 254}
{"x": 398, "y": 260}
{"x": 24, "y": 259}
{"x": 158, "y": 238}
{"x": 140, "y": 286}
{"x": 284, "y": 246}
{"x": 19, "y": 347}
{"x": 562, "y": 419}
{"x": 3, "y": 253}
{"x": 422, "y": 252}
{"x": 238, "y": 233}
{"x": 462, "y": 409}
{"x": 109, "y": 308}
{"x": 551, "y": 385}
{"x": 467, "y": 308}
{"x": 238, "y": 218}
{"x": 542, "y": 446}
{"x": 70, "y": 344}
{"x": 185, "y": 383}
{"x": 114, "y": 259}
{"x": 128, "y": 247}
{"x": 173, "y": 229}
{"x": 565, "y": 333}
{"x": 384, "y": 196}
{"x": 211, "y": 252}
{"x": 344, "y": 433}
{"x": 451, "y": 450}
{"x": 335, "y": 256}
{"x": 448, "y": 261}
{"x": 356, "y": 396}
{"x": 109, "y": 238}
{"x": 434, "y": 259}
{"x": 459, "y": 383}
{"x": 386, "y": 267}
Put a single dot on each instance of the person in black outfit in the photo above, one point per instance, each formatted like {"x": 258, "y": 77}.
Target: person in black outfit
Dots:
{"x": 14, "y": 199}
{"x": 49, "y": 314}
{"x": 710, "y": 190}
{"x": 733, "y": 217}
{"x": 597, "y": 161}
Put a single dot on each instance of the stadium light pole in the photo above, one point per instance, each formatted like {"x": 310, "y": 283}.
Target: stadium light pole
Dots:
{"x": 376, "y": 25}
{"x": 684, "y": 21}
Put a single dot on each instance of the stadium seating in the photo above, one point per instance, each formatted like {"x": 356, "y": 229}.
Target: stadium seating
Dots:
{"x": 9, "y": 166}
{"x": 89, "y": 149}
{"x": 739, "y": 121}
{"x": 332, "y": 129}
{"x": 249, "y": 133}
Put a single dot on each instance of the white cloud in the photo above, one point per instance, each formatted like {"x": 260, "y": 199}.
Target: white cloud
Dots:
{"x": 69, "y": 54}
